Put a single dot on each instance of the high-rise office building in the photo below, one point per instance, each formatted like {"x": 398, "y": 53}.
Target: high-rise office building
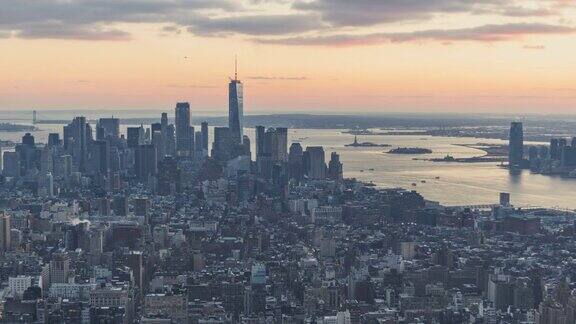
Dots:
{"x": 59, "y": 268}
{"x": 184, "y": 142}
{"x": 158, "y": 142}
{"x": 4, "y": 232}
{"x": 260, "y": 134}
{"x": 46, "y": 159}
{"x": 276, "y": 144}
{"x": 223, "y": 145}
{"x": 258, "y": 288}
{"x": 76, "y": 137}
{"x": 192, "y": 142}
{"x": 169, "y": 181}
{"x": 135, "y": 136}
{"x": 134, "y": 261}
{"x": 168, "y": 140}
{"x": 236, "y": 109}
{"x": 245, "y": 148}
{"x": 53, "y": 139}
{"x": 205, "y": 136}
{"x": 315, "y": 162}
{"x": 271, "y": 149}
{"x": 155, "y": 127}
{"x": 11, "y": 164}
{"x": 108, "y": 128}
{"x": 63, "y": 166}
{"x": 198, "y": 145}
{"x": 282, "y": 144}
{"x": 99, "y": 152}
{"x": 335, "y": 168}
{"x": 295, "y": 163}
{"x": 28, "y": 140}
{"x": 46, "y": 185}
{"x": 146, "y": 162}
{"x": 516, "y": 144}
{"x": 164, "y": 121}
{"x": 29, "y": 154}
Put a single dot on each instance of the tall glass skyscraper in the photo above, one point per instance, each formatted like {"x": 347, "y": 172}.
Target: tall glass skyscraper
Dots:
{"x": 516, "y": 144}
{"x": 236, "y": 109}
{"x": 183, "y": 129}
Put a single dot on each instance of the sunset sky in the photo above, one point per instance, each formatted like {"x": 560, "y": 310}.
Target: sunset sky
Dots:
{"x": 516, "y": 56}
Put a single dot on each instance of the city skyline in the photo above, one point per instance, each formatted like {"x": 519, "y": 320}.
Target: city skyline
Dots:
{"x": 369, "y": 161}
{"x": 319, "y": 56}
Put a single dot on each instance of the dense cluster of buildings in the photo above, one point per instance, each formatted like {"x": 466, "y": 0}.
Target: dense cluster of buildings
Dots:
{"x": 558, "y": 158}
{"x": 151, "y": 226}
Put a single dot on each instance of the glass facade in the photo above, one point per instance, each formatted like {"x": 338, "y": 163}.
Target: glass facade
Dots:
{"x": 236, "y": 110}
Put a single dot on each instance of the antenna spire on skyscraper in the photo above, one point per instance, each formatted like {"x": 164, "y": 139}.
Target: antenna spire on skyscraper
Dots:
{"x": 235, "y": 67}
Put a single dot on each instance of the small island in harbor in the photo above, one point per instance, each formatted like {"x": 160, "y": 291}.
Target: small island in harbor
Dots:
{"x": 410, "y": 150}
{"x": 492, "y": 153}
{"x": 365, "y": 144}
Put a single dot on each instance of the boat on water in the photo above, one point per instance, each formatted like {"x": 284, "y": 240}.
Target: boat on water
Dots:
{"x": 414, "y": 184}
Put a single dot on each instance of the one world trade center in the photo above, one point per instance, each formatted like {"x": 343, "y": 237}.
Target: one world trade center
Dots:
{"x": 236, "y": 108}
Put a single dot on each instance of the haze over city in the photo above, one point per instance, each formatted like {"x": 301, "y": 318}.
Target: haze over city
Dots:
{"x": 296, "y": 56}
{"x": 287, "y": 161}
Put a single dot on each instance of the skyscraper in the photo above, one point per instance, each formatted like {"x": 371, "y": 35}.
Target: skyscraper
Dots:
{"x": 260, "y": 133}
{"x": 158, "y": 142}
{"x": 59, "y": 268}
{"x": 29, "y": 154}
{"x": 76, "y": 137}
{"x": 192, "y": 142}
{"x": 271, "y": 149}
{"x": 53, "y": 139}
{"x": 516, "y": 144}
{"x": 168, "y": 176}
{"x": 223, "y": 145}
{"x": 236, "y": 109}
{"x": 167, "y": 131}
{"x": 146, "y": 161}
{"x": 335, "y": 167}
{"x": 99, "y": 163}
{"x": 204, "y": 130}
{"x": 108, "y": 128}
{"x": 171, "y": 149}
{"x": 315, "y": 162}
{"x": 135, "y": 136}
{"x": 184, "y": 142}
{"x": 164, "y": 121}
{"x": 198, "y": 145}
{"x": 296, "y": 168}
{"x": 282, "y": 144}
{"x": 4, "y": 232}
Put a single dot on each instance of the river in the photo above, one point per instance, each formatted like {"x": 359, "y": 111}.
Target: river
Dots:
{"x": 448, "y": 183}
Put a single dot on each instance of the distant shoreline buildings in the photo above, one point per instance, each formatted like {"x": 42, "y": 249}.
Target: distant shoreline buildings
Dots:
{"x": 558, "y": 158}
